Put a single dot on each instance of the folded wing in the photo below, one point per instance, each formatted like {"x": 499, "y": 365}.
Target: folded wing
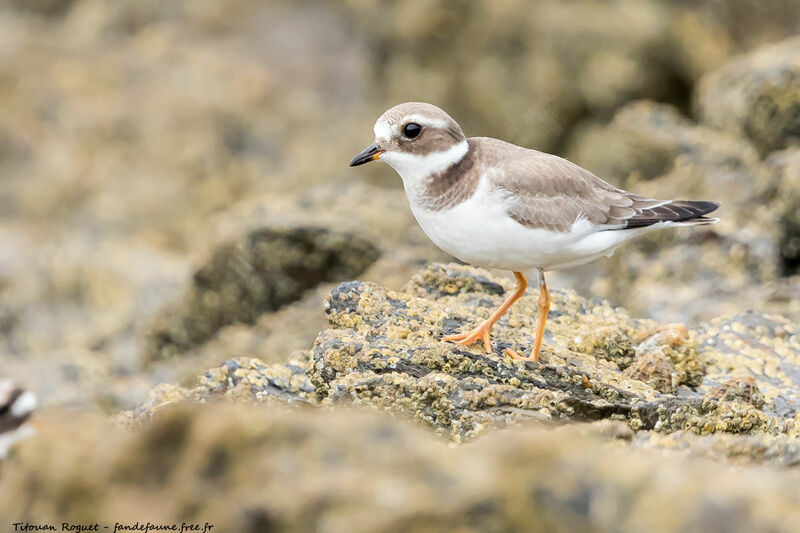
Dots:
{"x": 546, "y": 191}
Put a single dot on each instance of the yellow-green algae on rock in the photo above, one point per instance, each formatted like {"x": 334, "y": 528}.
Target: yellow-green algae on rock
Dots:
{"x": 384, "y": 349}
{"x": 735, "y": 374}
{"x": 242, "y": 380}
{"x": 266, "y": 253}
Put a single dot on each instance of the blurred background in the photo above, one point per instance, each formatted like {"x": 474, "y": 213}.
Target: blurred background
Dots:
{"x": 174, "y": 188}
{"x": 140, "y": 139}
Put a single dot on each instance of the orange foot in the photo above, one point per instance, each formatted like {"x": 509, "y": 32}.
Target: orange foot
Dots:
{"x": 471, "y": 337}
{"x": 514, "y": 355}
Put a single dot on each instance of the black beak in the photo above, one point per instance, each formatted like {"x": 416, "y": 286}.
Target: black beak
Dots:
{"x": 370, "y": 153}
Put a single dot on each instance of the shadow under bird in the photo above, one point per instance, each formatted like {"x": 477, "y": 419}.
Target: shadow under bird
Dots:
{"x": 497, "y": 205}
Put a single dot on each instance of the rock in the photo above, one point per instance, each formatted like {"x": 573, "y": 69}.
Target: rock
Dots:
{"x": 376, "y": 215}
{"x": 647, "y": 140}
{"x": 50, "y": 8}
{"x": 197, "y": 143}
{"x": 242, "y": 379}
{"x": 756, "y": 96}
{"x": 752, "y": 346}
{"x": 259, "y": 273}
{"x": 652, "y": 150}
{"x": 738, "y": 390}
{"x": 384, "y": 349}
{"x": 267, "y": 253}
{"x": 654, "y": 369}
{"x": 251, "y": 469}
{"x": 80, "y": 293}
{"x": 73, "y": 378}
{"x": 270, "y": 338}
{"x": 69, "y": 312}
{"x": 781, "y": 191}
{"x": 780, "y": 451}
{"x": 608, "y": 343}
{"x": 485, "y": 61}
{"x": 675, "y": 344}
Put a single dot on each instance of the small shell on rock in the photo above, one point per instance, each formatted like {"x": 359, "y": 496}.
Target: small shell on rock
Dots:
{"x": 654, "y": 369}
{"x": 609, "y": 343}
{"x": 666, "y": 334}
{"x": 738, "y": 390}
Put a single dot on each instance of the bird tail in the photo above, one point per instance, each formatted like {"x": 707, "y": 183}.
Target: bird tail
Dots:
{"x": 699, "y": 221}
{"x": 683, "y": 212}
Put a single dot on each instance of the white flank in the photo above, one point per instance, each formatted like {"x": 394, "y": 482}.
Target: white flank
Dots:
{"x": 479, "y": 231}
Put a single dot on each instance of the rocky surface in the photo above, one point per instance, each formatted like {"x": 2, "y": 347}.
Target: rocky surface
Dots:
{"x": 244, "y": 380}
{"x": 782, "y": 192}
{"x": 736, "y": 374}
{"x": 757, "y": 97}
{"x": 253, "y": 469}
{"x": 385, "y": 349}
{"x": 265, "y": 254}
{"x": 261, "y": 272}
{"x": 738, "y": 263}
{"x": 581, "y": 59}
{"x": 223, "y": 116}
{"x": 253, "y": 445}
{"x": 174, "y": 197}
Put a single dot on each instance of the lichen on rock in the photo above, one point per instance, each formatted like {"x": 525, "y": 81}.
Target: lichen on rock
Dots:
{"x": 765, "y": 348}
{"x": 242, "y": 379}
{"x": 262, "y": 271}
{"x": 384, "y": 349}
{"x": 654, "y": 369}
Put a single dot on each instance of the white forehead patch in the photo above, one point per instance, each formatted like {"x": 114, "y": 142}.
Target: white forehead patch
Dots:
{"x": 382, "y": 130}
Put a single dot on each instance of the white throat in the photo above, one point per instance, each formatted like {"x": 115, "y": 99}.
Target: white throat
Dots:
{"x": 414, "y": 168}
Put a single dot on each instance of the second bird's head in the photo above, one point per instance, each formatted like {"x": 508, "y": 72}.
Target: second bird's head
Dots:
{"x": 415, "y": 139}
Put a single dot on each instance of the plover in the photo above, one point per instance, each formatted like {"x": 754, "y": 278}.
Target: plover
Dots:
{"x": 16, "y": 406}
{"x": 497, "y": 205}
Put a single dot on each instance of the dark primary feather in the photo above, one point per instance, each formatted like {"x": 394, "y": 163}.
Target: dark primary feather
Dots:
{"x": 676, "y": 211}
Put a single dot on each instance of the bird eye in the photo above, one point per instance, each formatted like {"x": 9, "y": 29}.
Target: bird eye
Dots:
{"x": 412, "y": 130}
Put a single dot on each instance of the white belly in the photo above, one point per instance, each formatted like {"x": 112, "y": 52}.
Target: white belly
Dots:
{"x": 478, "y": 231}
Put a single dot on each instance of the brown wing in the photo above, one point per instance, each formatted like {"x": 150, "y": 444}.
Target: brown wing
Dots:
{"x": 547, "y": 191}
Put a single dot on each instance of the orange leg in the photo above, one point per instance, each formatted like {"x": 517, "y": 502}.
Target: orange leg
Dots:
{"x": 482, "y": 331}
{"x": 544, "y": 309}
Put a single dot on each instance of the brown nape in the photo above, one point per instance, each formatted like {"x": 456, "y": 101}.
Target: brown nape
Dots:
{"x": 455, "y": 184}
